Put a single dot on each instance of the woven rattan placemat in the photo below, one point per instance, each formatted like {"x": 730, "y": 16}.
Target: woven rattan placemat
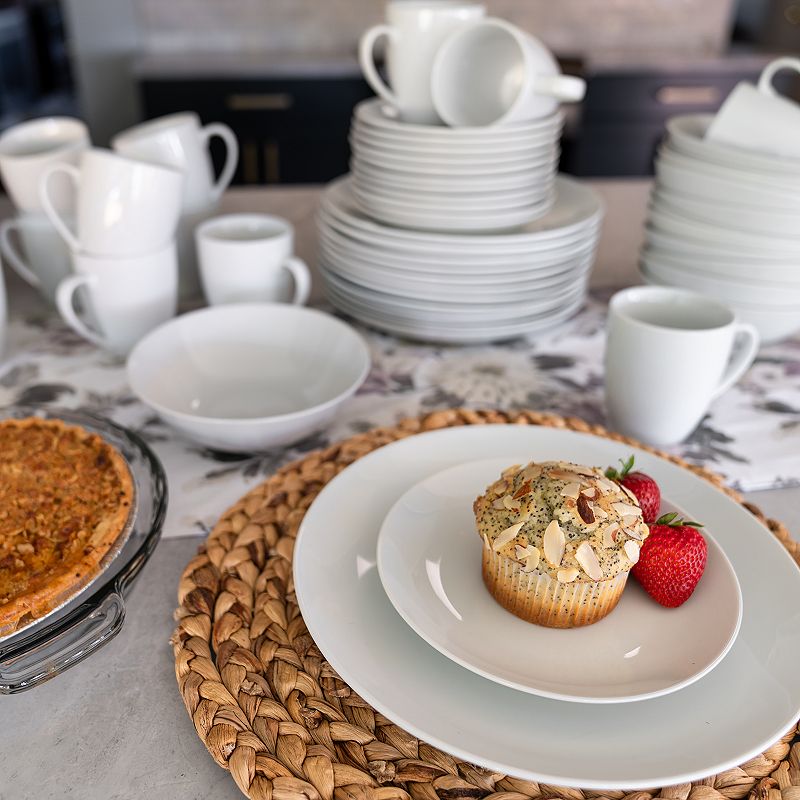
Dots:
{"x": 270, "y": 709}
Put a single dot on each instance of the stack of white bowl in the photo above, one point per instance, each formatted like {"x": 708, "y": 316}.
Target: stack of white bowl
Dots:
{"x": 725, "y": 221}
{"x": 430, "y": 177}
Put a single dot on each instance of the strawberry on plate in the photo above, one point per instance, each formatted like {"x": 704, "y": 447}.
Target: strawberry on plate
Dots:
{"x": 642, "y": 486}
{"x": 671, "y": 560}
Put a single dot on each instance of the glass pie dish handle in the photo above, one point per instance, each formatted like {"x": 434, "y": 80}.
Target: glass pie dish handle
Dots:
{"x": 47, "y": 652}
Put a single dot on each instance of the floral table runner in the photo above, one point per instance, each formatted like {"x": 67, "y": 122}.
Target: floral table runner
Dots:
{"x": 751, "y": 434}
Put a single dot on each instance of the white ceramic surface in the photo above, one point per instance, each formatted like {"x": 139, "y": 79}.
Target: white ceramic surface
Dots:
{"x": 429, "y": 562}
{"x": 248, "y": 258}
{"x": 492, "y": 73}
{"x": 127, "y": 297}
{"x": 180, "y": 141}
{"x": 29, "y": 149}
{"x": 291, "y": 368}
{"x": 758, "y": 118}
{"x": 124, "y": 207}
{"x": 534, "y": 738}
{"x": 32, "y": 247}
{"x": 3, "y": 314}
{"x": 414, "y": 31}
{"x": 669, "y": 353}
{"x": 188, "y": 271}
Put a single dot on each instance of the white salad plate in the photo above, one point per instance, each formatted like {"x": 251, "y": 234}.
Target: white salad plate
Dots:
{"x": 703, "y": 729}
{"x": 465, "y": 169}
{"x": 429, "y": 561}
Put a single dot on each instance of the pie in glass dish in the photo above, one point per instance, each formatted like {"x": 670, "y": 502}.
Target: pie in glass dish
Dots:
{"x": 66, "y": 496}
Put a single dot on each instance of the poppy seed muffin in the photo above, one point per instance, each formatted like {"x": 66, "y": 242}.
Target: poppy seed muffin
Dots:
{"x": 559, "y": 542}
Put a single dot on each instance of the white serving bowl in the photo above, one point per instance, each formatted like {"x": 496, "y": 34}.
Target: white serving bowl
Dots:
{"x": 247, "y": 377}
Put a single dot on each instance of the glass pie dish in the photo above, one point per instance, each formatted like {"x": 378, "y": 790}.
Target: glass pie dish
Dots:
{"x": 94, "y": 612}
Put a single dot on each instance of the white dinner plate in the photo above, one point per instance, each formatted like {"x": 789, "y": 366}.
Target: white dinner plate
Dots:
{"x": 429, "y": 561}
{"x": 465, "y": 169}
{"x": 742, "y": 706}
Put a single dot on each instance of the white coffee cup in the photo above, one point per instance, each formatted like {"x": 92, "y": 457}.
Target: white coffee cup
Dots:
{"x": 180, "y": 141}
{"x": 42, "y": 258}
{"x": 248, "y": 258}
{"x": 415, "y": 29}
{"x": 492, "y": 73}
{"x": 29, "y": 149}
{"x": 124, "y": 207}
{"x": 669, "y": 353}
{"x": 127, "y": 297}
{"x": 758, "y": 118}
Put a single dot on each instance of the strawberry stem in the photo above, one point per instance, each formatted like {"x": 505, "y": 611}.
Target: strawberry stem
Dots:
{"x": 619, "y": 474}
{"x": 672, "y": 520}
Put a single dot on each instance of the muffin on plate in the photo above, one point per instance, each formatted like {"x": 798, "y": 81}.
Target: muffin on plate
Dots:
{"x": 559, "y": 540}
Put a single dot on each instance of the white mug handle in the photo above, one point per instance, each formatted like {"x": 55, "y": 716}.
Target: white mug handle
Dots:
{"x": 222, "y": 131}
{"x": 12, "y": 255}
{"x": 44, "y": 196}
{"x": 567, "y": 88}
{"x": 772, "y": 69}
{"x": 64, "y": 294}
{"x": 302, "y": 279}
{"x": 365, "y": 56}
{"x": 742, "y": 359}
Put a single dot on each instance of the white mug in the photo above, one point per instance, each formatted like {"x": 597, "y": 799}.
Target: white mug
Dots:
{"x": 758, "y": 118}
{"x": 127, "y": 297}
{"x": 29, "y": 149}
{"x": 669, "y": 353}
{"x": 42, "y": 258}
{"x": 246, "y": 258}
{"x": 493, "y": 73}
{"x": 179, "y": 141}
{"x": 124, "y": 207}
{"x": 414, "y": 29}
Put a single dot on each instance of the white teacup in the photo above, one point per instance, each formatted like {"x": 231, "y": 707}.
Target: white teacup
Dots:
{"x": 493, "y": 73}
{"x": 179, "y": 141}
{"x": 758, "y": 118}
{"x": 669, "y": 353}
{"x": 127, "y": 297}
{"x": 124, "y": 207}
{"x": 414, "y": 29}
{"x": 41, "y": 258}
{"x": 29, "y": 149}
{"x": 248, "y": 258}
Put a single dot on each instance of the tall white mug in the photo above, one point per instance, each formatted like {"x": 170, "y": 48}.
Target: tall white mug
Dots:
{"x": 493, "y": 73}
{"x": 127, "y": 297}
{"x": 181, "y": 141}
{"x": 758, "y": 118}
{"x": 414, "y": 30}
{"x": 247, "y": 258}
{"x": 29, "y": 149}
{"x": 41, "y": 257}
{"x": 669, "y": 353}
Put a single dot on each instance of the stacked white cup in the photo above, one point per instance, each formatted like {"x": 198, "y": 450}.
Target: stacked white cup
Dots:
{"x": 180, "y": 141}
{"x": 27, "y": 151}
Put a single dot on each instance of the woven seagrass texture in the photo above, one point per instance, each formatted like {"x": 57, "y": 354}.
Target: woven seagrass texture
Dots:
{"x": 270, "y": 709}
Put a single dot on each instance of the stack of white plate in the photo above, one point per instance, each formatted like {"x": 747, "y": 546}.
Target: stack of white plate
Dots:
{"x": 726, "y": 222}
{"x": 459, "y": 288}
{"x": 453, "y": 179}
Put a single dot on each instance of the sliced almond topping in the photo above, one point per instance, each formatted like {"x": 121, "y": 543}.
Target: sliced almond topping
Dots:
{"x": 504, "y": 537}
{"x": 521, "y": 553}
{"x": 629, "y": 520}
{"x": 523, "y": 490}
{"x": 531, "y": 472}
{"x": 585, "y": 509}
{"x": 606, "y": 485}
{"x": 628, "y": 492}
{"x": 498, "y": 487}
{"x": 610, "y": 535}
{"x": 625, "y": 509}
{"x": 600, "y": 513}
{"x": 587, "y": 558}
{"x": 567, "y": 575}
{"x": 632, "y": 551}
{"x": 510, "y": 471}
{"x": 571, "y": 490}
{"x": 590, "y": 492}
{"x": 511, "y": 504}
{"x": 532, "y": 560}
{"x": 634, "y": 533}
{"x": 499, "y": 504}
{"x": 554, "y": 543}
{"x": 566, "y": 475}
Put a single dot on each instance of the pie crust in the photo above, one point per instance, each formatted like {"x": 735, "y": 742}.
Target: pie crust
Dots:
{"x": 65, "y": 497}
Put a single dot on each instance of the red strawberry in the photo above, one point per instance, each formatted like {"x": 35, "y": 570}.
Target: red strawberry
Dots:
{"x": 644, "y": 488}
{"x": 671, "y": 560}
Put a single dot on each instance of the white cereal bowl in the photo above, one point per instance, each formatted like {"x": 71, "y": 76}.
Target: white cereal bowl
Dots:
{"x": 251, "y": 376}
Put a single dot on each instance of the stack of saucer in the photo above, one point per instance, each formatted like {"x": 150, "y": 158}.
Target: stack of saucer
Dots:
{"x": 724, "y": 221}
{"x": 454, "y": 287}
{"x": 436, "y": 178}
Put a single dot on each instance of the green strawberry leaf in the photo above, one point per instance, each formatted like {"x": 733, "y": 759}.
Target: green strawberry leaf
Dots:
{"x": 672, "y": 520}
{"x": 619, "y": 474}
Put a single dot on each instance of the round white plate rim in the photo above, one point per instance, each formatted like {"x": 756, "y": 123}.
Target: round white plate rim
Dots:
{"x": 401, "y": 607}
{"x": 324, "y": 636}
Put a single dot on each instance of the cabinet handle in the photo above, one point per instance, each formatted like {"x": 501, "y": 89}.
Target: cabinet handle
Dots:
{"x": 688, "y": 95}
{"x": 268, "y": 101}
